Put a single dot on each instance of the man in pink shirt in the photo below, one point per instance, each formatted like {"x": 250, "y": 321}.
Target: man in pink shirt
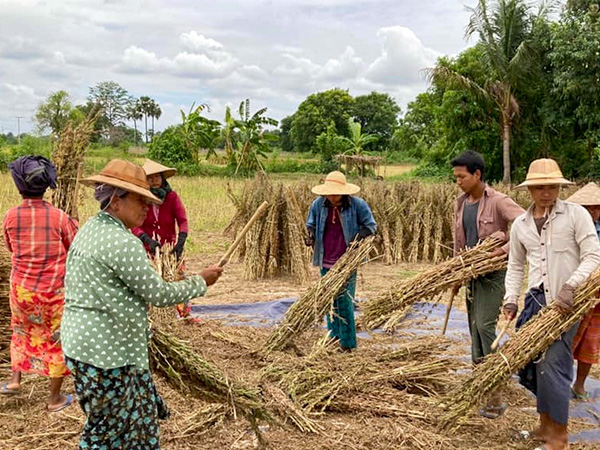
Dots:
{"x": 481, "y": 212}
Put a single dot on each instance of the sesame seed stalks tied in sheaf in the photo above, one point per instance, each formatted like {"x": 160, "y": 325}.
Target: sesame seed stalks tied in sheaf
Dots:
{"x": 388, "y": 309}
{"x": 310, "y": 308}
{"x": 529, "y": 343}
{"x": 67, "y": 157}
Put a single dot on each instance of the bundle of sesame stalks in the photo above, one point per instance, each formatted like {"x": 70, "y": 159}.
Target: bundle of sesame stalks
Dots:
{"x": 388, "y": 309}
{"x": 275, "y": 243}
{"x": 5, "y": 314}
{"x": 528, "y": 343}
{"x": 183, "y": 367}
{"x": 186, "y": 371}
{"x": 310, "y": 309}
{"x": 68, "y": 159}
{"x": 190, "y": 373}
{"x": 166, "y": 264}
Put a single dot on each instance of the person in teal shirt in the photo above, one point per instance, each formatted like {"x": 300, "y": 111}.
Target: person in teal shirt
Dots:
{"x": 109, "y": 285}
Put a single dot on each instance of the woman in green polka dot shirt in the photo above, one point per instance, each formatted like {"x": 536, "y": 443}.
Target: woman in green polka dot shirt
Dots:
{"x": 109, "y": 285}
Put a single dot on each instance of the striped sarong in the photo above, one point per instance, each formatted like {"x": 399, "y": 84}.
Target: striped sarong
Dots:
{"x": 586, "y": 345}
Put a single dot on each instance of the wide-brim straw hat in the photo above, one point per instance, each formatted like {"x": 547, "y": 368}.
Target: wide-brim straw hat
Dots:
{"x": 152, "y": 168}
{"x": 335, "y": 184}
{"x": 125, "y": 175}
{"x": 544, "y": 172}
{"x": 589, "y": 195}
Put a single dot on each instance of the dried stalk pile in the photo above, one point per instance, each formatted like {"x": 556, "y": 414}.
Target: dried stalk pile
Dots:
{"x": 275, "y": 244}
{"x": 68, "y": 159}
{"x": 388, "y": 309}
{"x": 5, "y": 314}
{"x": 318, "y": 300}
{"x": 414, "y": 220}
{"x": 326, "y": 379}
{"x": 528, "y": 343}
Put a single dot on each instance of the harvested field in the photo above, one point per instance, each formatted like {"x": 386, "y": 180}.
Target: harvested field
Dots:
{"x": 373, "y": 399}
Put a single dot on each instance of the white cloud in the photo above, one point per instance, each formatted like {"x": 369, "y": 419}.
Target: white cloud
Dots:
{"x": 402, "y": 59}
{"x": 195, "y": 42}
{"x": 178, "y": 52}
{"x": 21, "y": 48}
{"x": 139, "y": 60}
{"x": 200, "y": 65}
{"x": 18, "y": 100}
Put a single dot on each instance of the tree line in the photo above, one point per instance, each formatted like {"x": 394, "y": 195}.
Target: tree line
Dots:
{"x": 529, "y": 88}
{"x": 117, "y": 106}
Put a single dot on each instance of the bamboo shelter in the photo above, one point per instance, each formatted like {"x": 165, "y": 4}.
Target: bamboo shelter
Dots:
{"x": 528, "y": 343}
{"x": 362, "y": 163}
{"x": 68, "y": 159}
{"x": 390, "y": 307}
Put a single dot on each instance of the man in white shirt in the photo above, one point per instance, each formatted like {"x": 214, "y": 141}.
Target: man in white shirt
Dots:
{"x": 558, "y": 240}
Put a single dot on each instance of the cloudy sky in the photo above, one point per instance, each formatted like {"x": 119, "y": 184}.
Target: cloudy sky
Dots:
{"x": 274, "y": 52}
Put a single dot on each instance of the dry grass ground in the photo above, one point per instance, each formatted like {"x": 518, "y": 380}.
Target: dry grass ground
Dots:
{"x": 25, "y": 425}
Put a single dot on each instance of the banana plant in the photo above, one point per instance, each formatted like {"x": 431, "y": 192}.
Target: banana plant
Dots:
{"x": 199, "y": 132}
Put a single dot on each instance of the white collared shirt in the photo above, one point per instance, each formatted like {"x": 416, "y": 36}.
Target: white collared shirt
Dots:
{"x": 566, "y": 251}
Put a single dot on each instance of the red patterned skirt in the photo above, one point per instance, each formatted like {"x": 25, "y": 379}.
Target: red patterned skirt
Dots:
{"x": 35, "y": 345}
{"x": 586, "y": 345}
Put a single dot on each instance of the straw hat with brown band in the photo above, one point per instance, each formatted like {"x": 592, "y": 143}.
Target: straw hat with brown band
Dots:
{"x": 335, "y": 184}
{"x": 152, "y": 168}
{"x": 125, "y": 175}
{"x": 589, "y": 195}
{"x": 544, "y": 172}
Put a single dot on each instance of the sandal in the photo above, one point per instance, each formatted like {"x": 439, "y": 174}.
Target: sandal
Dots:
{"x": 580, "y": 397}
{"x": 493, "y": 412}
{"x": 63, "y": 406}
{"x": 6, "y": 391}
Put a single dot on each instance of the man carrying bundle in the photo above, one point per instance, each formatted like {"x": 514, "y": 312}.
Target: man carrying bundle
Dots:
{"x": 481, "y": 212}
{"x": 558, "y": 240}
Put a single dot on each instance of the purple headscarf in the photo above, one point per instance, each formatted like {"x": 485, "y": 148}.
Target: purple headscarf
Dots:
{"x": 33, "y": 175}
{"x": 104, "y": 193}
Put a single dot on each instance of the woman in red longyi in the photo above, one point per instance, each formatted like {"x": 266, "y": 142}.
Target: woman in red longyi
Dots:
{"x": 38, "y": 237}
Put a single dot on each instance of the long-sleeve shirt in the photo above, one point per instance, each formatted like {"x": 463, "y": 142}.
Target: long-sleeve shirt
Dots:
{"x": 496, "y": 211}
{"x": 109, "y": 285}
{"x": 355, "y": 215}
{"x": 161, "y": 220}
{"x": 566, "y": 250}
{"x": 38, "y": 235}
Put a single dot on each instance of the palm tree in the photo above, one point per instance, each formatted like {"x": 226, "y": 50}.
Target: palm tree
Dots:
{"x": 154, "y": 112}
{"x": 145, "y": 108}
{"x": 134, "y": 112}
{"x": 505, "y": 29}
